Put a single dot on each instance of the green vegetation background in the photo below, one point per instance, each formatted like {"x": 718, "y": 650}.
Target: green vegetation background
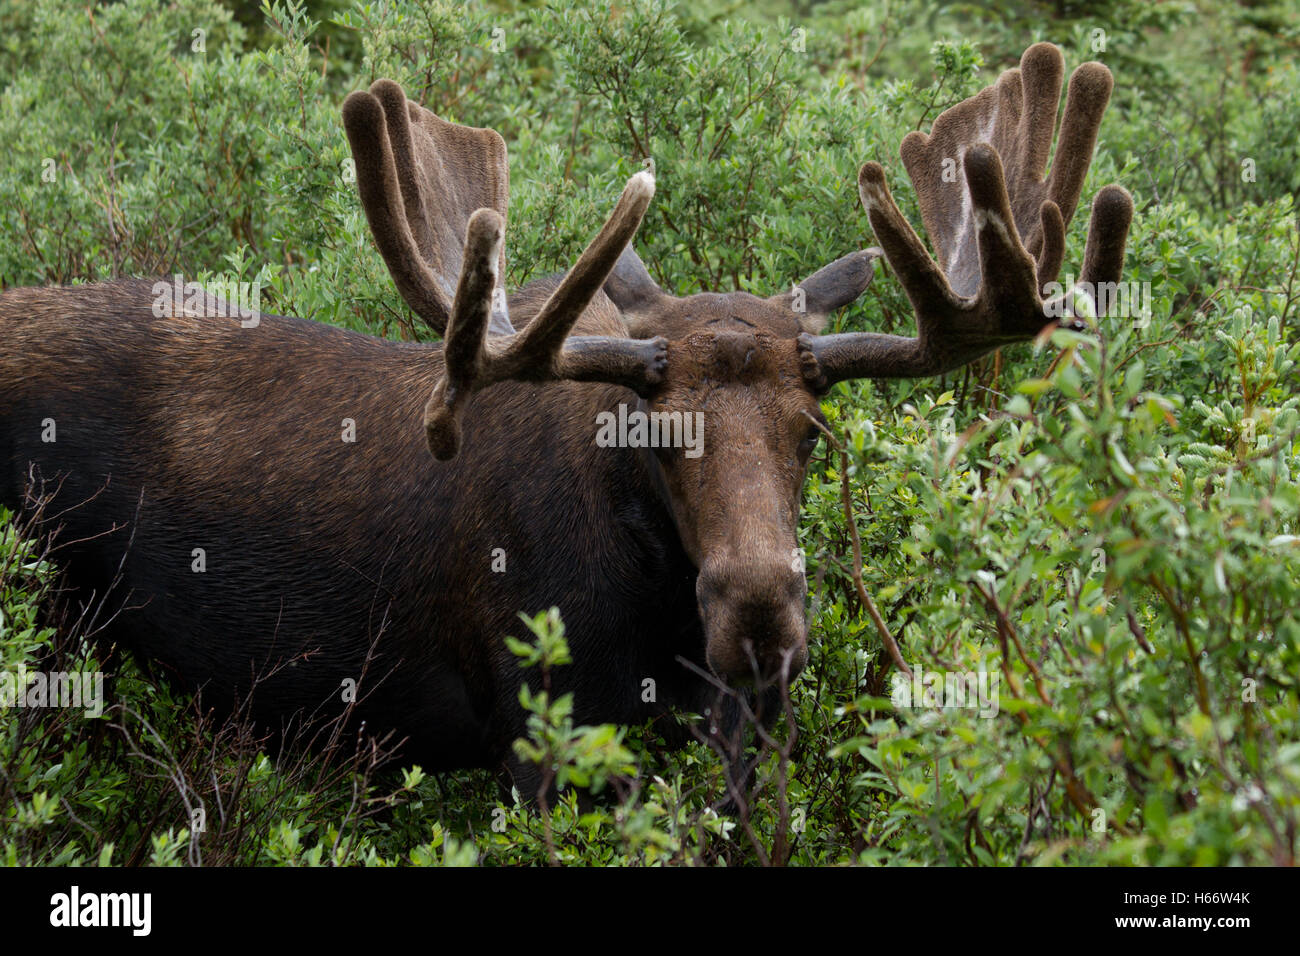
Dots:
{"x": 1110, "y": 524}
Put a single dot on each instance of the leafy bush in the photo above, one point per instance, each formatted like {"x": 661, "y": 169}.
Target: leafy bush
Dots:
{"x": 1106, "y": 531}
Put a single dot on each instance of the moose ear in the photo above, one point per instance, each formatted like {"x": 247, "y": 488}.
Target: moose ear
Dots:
{"x": 830, "y": 288}
{"x": 637, "y": 296}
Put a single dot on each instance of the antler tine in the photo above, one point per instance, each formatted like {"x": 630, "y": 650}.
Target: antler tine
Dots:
{"x": 1103, "y": 256}
{"x": 986, "y": 290}
{"x": 539, "y": 343}
{"x": 542, "y": 351}
{"x": 383, "y": 199}
{"x": 463, "y": 352}
{"x": 398, "y": 121}
{"x": 924, "y": 282}
{"x": 1085, "y": 104}
{"x": 1007, "y": 272}
{"x": 1051, "y": 245}
{"x": 1042, "y": 69}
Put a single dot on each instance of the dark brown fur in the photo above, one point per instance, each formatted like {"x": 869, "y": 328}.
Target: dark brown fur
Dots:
{"x": 197, "y": 433}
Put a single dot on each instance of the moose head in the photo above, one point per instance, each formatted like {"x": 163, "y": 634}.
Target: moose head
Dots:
{"x": 435, "y": 194}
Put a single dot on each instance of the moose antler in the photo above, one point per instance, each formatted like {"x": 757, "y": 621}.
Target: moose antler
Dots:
{"x": 543, "y": 349}
{"x": 420, "y": 180}
{"x": 997, "y": 225}
{"x": 435, "y": 195}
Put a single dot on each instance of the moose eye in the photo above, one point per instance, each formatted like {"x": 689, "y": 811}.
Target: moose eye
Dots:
{"x": 809, "y": 442}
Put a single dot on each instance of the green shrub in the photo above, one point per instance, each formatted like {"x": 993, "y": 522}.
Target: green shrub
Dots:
{"x": 1106, "y": 530}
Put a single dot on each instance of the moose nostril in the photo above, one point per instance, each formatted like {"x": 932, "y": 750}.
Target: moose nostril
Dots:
{"x": 750, "y": 642}
{"x": 741, "y": 663}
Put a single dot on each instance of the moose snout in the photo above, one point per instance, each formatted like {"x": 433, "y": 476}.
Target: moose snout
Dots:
{"x": 754, "y": 623}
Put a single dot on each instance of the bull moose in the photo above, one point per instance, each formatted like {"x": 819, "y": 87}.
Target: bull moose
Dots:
{"x": 178, "y": 432}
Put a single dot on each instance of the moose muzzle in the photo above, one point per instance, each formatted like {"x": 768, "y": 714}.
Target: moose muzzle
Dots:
{"x": 756, "y": 631}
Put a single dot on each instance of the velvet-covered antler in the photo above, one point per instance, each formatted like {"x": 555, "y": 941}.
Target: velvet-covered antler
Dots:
{"x": 435, "y": 195}
{"x": 997, "y": 225}
{"x": 543, "y": 349}
{"x": 421, "y": 179}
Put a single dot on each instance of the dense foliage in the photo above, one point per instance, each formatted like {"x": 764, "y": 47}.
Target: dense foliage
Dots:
{"x": 1106, "y": 528}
